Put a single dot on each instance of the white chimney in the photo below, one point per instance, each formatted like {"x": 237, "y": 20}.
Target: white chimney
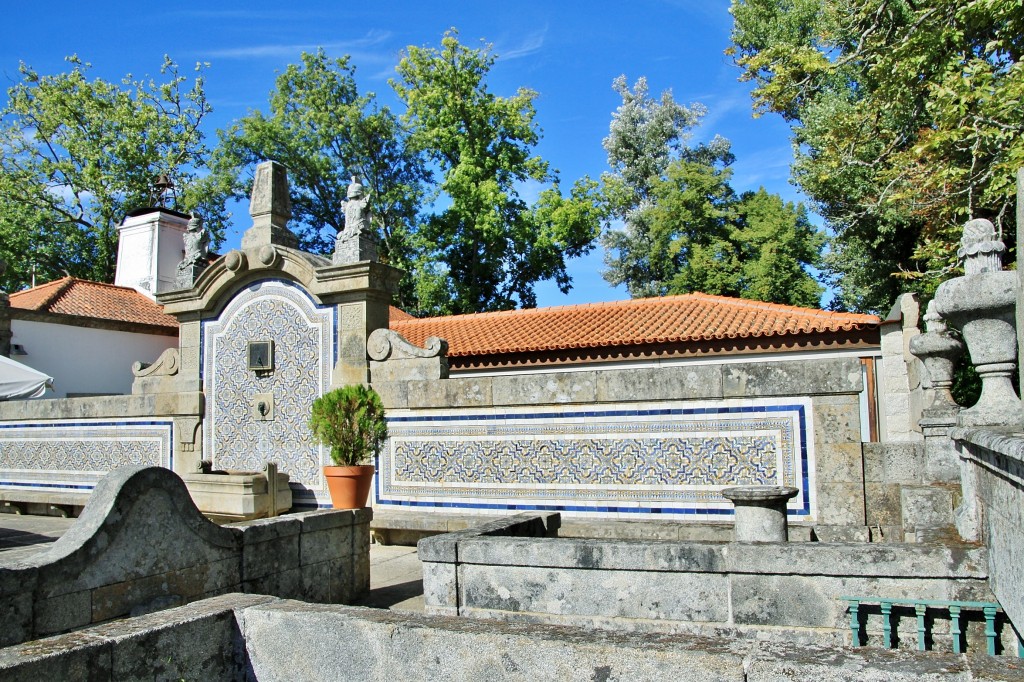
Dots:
{"x": 149, "y": 250}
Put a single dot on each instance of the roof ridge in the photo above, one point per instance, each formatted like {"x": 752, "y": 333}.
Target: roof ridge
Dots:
{"x": 59, "y": 287}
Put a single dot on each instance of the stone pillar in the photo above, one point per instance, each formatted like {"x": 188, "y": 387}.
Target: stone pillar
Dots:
{"x": 1020, "y": 266}
{"x": 5, "y": 325}
{"x": 761, "y": 512}
{"x": 938, "y": 350}
{"x": 270, "y": 206}
{"x": 900, "y": 378}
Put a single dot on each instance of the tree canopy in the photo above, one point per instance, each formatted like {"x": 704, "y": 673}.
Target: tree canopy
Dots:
{"x": 444, "y": 177}
{"x": 325, "y": 133}
{"x": 906, "y": 122}
{"x": 681, "y": 226}
{"x": 485, "y": 247}
{"x": 77, "y": 154}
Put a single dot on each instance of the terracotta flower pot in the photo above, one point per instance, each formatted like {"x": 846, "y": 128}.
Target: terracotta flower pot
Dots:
{"x": 349, "y": 486}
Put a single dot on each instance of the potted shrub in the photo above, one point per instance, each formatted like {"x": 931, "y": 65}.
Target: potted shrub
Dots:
{"x": 350, "y": 421}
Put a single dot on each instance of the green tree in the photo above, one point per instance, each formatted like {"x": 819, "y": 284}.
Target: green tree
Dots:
{"x": 683, "y": 228}
{"x": 76, "y": 155}
{"x": 905, "y": 122}
{"x": 485, "y": 248}
{"x": 325, "y": 132}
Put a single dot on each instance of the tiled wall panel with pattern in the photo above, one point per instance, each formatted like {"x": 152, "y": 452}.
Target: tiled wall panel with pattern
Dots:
{"x": 304, "y": 336}
{"x": 630, "y": 460}
{"x": 73, "y": 455}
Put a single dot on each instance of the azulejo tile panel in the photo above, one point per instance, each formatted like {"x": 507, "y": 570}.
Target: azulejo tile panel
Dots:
{"x": 74, "y": 455}
{"x": 635, "y": 459}
{"x": 304, "y": 354}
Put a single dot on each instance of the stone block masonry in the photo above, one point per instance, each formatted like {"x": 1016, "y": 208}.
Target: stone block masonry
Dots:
{"x": 776, "y": 591}
{"x": 141, "y": 546}
{"x": 250, "y": 637}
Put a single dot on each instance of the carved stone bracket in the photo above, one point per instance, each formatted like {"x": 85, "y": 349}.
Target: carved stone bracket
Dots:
{"x": 385, "y": 344}
{"x": 166, "y": 365}
{"x": 393, "y": 358}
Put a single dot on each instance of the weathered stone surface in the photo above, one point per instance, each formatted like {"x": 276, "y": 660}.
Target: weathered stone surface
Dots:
{"x": 610, "y": 555}
{"x": 270, "y": 207}
{"x": 835, "y": 375}
{"x": 645, "y": 595}
{"x": 283, "y": 637}
{"x": 545, "y": 389}
{"x": 996, "y": 463}
{"x": 141, "y": 546}
{"x": 692, "y": 382}
{"x": 882, "y": 504}
{"x": 840, "y": 503}
{"x": 269, "y": 546}
{"x": 760, "y": 514}
{"x": 835, "y": 421}
{"x": 927, "y": 507}
{"x": 893, "y": 463}
{"x": 380, "y": 645}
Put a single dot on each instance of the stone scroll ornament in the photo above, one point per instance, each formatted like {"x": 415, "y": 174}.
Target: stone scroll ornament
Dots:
{"x": 393, "y": 358}
{"x": 166, "y": 365}
{"x": 387, "y": 344}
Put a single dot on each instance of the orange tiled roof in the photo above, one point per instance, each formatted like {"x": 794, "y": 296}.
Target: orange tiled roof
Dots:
{"x": 647, "y": 321}
{"x": 82, "y": 298}
{"x": 397, "y": 314}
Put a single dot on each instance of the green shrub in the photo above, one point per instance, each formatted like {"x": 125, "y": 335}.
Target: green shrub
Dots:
{"x": 349, "y": 420}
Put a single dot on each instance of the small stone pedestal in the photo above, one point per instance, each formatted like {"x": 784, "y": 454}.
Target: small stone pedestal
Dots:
{"x": 761, "y": 512}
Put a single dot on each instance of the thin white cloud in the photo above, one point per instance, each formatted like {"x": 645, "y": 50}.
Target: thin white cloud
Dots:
{"x": 529, "y": 45}
{"x": 371, "y": 39}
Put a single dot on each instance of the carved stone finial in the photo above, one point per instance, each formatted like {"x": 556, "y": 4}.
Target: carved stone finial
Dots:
{"x": 270, "y": 207}
{"x": 197, "y": 253}
{"x": 934, "y": 324}
{"x": 356, "y": 242}
{"x": 980, "y": 248}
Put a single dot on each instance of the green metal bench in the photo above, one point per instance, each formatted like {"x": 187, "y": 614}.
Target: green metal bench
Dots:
{"x": 921, "y": 606}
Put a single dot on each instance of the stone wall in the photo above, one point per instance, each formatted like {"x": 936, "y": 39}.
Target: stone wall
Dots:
{"x": 780, "y": 591}
{"x": 248, "y": 637}
{"x": 58, "y": 450}
{"x": 644, "y": 444}
{"x": 993, "y": 481}
{"x": 141, "y": 545}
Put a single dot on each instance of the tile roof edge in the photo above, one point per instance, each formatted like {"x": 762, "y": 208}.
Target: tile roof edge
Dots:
{"x": 749, "y": 304}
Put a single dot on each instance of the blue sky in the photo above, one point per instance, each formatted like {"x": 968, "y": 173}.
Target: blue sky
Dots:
{"x": 568, "y": 51}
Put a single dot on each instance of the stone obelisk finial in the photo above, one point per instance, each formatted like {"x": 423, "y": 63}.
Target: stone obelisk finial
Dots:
{"x": 270, "y": 208}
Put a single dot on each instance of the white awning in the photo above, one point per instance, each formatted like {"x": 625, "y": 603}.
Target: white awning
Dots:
{"x": 17, "y": 381}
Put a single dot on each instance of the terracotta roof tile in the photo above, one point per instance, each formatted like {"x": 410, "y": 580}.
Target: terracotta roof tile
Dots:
{"x": 669, "y": 319}
{"x": 82, "y": 298}
{"x": 398, "y": 314}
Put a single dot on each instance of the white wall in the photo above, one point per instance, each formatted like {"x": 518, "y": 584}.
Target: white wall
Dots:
{"x": 84, "y": 360}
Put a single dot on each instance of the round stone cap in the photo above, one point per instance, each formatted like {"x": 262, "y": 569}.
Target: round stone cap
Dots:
{"x": 760, "y": 493}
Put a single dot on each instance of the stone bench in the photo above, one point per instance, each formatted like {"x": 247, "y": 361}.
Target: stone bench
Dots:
{"x": 64, "y": 503}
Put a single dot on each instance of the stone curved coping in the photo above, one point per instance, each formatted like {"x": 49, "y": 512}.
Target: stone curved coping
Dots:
{"x": 118, "y": 492}
{"x": 760, "y": 493}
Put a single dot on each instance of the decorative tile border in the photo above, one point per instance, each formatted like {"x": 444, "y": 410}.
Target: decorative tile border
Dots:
{"x": 305, "y": 341}
{"x": 72, "y": 456}
{"x": 631, "y": 460}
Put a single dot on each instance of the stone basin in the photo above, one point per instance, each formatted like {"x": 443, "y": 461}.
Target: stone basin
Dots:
{"x": 228, "y": 496}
